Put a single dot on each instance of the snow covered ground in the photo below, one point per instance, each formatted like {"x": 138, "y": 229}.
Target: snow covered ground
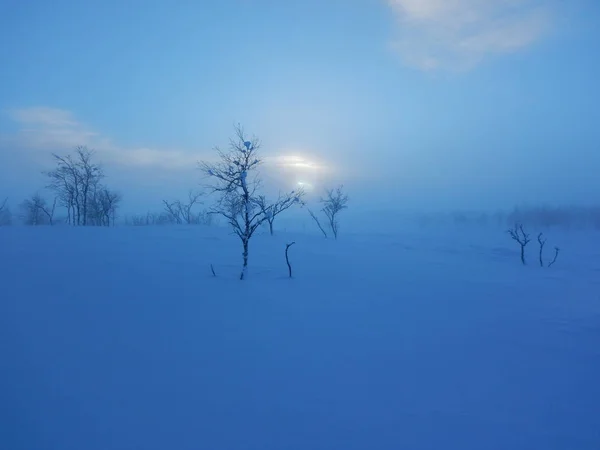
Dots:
{"x": 423, "y": 339}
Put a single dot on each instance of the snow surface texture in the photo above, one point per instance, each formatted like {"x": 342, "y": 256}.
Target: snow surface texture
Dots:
{"x": 122, "y": 339}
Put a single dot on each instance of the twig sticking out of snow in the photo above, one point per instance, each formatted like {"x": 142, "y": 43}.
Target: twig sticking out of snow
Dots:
{"x": 287, "y": 259}
{"x": 542, "y": 242}
{"x": 556, "y": 250}
{"x": 212, "y": 269}
{"x": 518, "y": 234}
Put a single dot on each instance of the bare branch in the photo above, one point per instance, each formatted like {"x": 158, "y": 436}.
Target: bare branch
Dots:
{"x": 186, "y": 209}
{"x": 556, "y": 250}
{"x": 173, "y": 210}
{"x": 283, "y": 203}
{"x": 36, "y": 211}
{"x": 335, "y": 202}
{"x": 518, "y": 234}
{"x": 316, "y": 219}
{"x": 49, "y": 211}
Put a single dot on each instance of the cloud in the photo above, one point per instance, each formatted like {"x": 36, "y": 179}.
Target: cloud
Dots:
{"x": 458, "y": 34}
{"x": 295, "y": 162}
{"x": 43, "y": 129}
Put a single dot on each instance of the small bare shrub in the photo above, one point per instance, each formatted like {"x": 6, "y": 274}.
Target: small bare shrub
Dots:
{"x": 518, "y": 234}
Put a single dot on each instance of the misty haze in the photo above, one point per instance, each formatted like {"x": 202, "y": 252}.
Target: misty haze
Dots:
{"x": 240, "y": 225}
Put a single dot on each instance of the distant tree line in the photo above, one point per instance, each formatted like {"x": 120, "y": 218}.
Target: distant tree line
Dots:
{"x": 576, "y": 217}
{"x": 5, "y": 214}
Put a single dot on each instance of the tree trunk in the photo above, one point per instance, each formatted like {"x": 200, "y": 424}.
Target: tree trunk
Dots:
{"x": 271, "y": 226}
{"x": 523, "y": 254}
{"x": 78, "y": 215}
{"x": 245, "y": 255}
{"x": 85, "y": 205}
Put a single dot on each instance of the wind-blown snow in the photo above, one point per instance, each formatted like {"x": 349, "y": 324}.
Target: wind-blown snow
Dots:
{"x": 121, "y": 339}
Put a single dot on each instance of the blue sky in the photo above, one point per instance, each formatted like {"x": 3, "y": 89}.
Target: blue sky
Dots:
{"x": 431, "y": 103}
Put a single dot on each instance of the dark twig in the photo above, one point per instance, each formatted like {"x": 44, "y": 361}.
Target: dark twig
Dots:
{"x": 212, "y": 269}
{"x": 556, "y": 250}
{"x": 519, "y": 235}
{"x": 542, "y": 242}
{"x": 287, "y": 260}
{"x": 316, "y": 219}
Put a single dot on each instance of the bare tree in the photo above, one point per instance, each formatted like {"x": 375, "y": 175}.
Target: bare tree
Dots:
{"x": 148, "y": 219}
{"x": 65, "y": 180}
{"x": 37, "y": 211}
{"x": 186, "y": 208}
{"x": 318, "y": 222}
{"x": 31, "y": 210}
{"x": 5, "y": 215}
{"x": 518, "y": 234}
{"x": 76, "y": 180}
{"x": 237, "y": 189}
{"x": 335, "y": 202}
{"x": 105, "y": 204}
{"x": 170, "y": 216}
{"x": 181, "y": 212}
{"x": 283, "y": 203}
{"x": 49, "y": 211}
{"x": 172, "y": 210}
{"x": 90, "y": 175}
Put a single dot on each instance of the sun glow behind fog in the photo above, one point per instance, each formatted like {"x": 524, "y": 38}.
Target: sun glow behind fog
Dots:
{"x": 300, "y": 171}
{"x": 298, "y": 162}
{"x": 305, "y": 186}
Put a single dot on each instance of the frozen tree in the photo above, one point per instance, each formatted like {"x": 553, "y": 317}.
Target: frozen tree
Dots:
{"x": 233, "y": 179}
{"x": 283, "y": 203}
{"x": 334, "y": 202}
{"x": 37, "y": 211}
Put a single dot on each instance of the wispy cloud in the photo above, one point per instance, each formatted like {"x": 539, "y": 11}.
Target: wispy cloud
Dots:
{"x": 41, "y": 130}
{"x": 458, "y": 34}
{"x": 44, "y": 129}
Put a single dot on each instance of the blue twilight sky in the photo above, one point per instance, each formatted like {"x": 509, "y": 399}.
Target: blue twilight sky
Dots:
{"x": 431, "y": 103}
